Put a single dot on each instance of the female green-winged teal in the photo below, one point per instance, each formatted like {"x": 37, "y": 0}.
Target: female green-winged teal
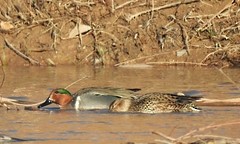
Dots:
{"x": 88, "y": 98}
{"x": 155, "y": 103}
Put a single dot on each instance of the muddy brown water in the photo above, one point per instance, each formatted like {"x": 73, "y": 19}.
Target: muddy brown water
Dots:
{"x": 70, "y": 126}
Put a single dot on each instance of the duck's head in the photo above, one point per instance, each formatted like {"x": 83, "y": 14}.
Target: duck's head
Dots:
{"x": 120, "y": 105}
{"x": 59, "y": 96}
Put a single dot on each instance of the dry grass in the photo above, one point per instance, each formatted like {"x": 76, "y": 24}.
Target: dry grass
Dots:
{"x": 123, "y": 32}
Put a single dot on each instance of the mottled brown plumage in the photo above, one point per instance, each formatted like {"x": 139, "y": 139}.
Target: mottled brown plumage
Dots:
{"x": 155, "y": 103}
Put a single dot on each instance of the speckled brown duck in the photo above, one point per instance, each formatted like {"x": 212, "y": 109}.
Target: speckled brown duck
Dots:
{"x": 156, "y": 103}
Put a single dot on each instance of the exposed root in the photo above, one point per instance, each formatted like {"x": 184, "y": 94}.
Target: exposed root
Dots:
{"x": 32, "y": 61}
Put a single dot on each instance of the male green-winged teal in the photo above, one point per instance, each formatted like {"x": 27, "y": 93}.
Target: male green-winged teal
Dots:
{"x": 88, "y": 98}
{"x": 155, "y": 103}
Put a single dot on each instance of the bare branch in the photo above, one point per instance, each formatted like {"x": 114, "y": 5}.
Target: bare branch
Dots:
{"x": 32, "y": 61}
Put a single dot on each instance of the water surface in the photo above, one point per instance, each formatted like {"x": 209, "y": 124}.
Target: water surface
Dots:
{"x": 70, "y": 126}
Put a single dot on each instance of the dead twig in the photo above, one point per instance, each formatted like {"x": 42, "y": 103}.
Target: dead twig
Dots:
{"x": 168, "y": 138}
{"x": 213, "y": 17}
{"x": 76, "y": 82}
{"x": 3, "y": 75}
{"x": 225, "y": 75}
{"x": 216, "y": 51}
{"x": 32, "y": 61}
{"x": 80, "y": 3}
{"x": 80, "y": 34}
{"x": 111, "y": 35}
{"x": 133, "y": 60}
{"x": 124, "y": 4}
{"x": 185, "y": 37}
{"x": 216, "y": 137}
{"x": 129, "y": 17}
{"x": 176, "y": 63}
{"x": 191, "y": 133}
{"x": 7, "y": 102}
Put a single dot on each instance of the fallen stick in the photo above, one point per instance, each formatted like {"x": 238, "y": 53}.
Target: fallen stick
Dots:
{"x": 164, "y": 136}
{"x": 3, "y": 75}
{"x": 176, "y": 63}
{"x": 32, "y": 61}
{"x": 213, "y": 17}
{"x": 229, "y": 79}
{"x": 130, "y": 17}
{"x": 140, "y": 58}
{"x": 124, "y": 4}
{"x": 26, "y": 105}
{"x": 191, "y": 133}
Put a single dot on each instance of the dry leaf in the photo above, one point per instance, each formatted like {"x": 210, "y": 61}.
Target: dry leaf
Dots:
{"x": 79, "y": 28}
{"x": 6, "y": 25}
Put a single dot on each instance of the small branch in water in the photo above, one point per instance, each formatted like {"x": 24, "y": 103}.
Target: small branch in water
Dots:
{"x": 191, "y": 133}
{"x": 76, "y": 82}
{"x": 164, "y": 136}
{"x": 6, "y": 102}
{"x": 224, "y": 74}
{"x": 32, "y": 61}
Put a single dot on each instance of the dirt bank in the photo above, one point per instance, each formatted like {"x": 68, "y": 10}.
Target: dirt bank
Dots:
{"x": 116, "y": 32}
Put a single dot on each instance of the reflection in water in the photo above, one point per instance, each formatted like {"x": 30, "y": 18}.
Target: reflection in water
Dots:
{"x": 60, "y": 126}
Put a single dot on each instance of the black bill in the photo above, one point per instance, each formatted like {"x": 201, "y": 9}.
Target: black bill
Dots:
{"x": 45, "y": 103}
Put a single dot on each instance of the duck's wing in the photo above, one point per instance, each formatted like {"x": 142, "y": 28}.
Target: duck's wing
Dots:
{"x": 108, "y": 91}
{"x": 182, "y": 99}
{"x": 100, "y": 97}
{"x": 172, "y": 98}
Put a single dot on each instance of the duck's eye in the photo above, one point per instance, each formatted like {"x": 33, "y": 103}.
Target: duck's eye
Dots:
{"x": 57, "y": 92}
